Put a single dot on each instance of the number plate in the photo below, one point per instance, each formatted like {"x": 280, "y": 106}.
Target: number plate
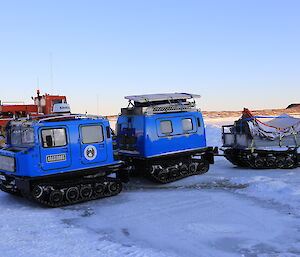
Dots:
{"x": 2, "y": 177}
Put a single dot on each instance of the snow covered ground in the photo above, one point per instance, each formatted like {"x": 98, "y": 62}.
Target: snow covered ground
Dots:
{"x": 227, "y": 212}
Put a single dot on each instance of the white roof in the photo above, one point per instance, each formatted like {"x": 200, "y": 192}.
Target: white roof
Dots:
{"x": 160, "y": 97}
{"x": 283, "y": 121}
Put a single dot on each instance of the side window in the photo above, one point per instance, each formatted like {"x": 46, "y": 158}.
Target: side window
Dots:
{"x": 199, "y": 122}
{"x": 187, "y": 124}
{"x": 166, "y": 127}
{"x": 92, "y": 134}
{"x": 54, "y": 137}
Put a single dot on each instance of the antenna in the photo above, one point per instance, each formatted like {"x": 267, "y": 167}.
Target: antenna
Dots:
{"x": 97, "y": 104}
{"x": 51, "y": 71}
{"x": 38, "y": 82}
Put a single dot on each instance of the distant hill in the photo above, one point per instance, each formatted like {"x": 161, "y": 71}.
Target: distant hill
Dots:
{"x": 269, "y": 112}
{"x": 293, "y": 111}
{"x": 293, "y": 106}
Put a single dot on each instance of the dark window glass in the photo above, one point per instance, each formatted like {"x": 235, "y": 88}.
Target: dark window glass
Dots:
{"x": 108, "y": 130}
{"x": 54, "y": 137}
{"x": 92, "y": 134}
{"x": 57, "y": 101}
{"x": 187, "y": 124}
{"x": 199, "y": 122}
{"x": 166, "y": 127}
{"x": 22, "y": 136}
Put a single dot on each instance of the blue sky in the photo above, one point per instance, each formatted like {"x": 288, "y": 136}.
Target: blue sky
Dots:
{"x": 234, "y": 53}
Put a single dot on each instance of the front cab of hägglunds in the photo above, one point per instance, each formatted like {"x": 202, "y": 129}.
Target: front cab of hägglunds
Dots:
{"x": 163, "y": 136}
{"x": 59, "y": 160}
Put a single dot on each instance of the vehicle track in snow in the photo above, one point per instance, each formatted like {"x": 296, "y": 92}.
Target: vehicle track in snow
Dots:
{"x": 181, "y": 221}
{"x": 219, "y": 184}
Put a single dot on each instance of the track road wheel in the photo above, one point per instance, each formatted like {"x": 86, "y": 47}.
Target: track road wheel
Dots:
{"x": 289, "y": 163}
{"x": 259, "y": 162}
{"x": 271, "y": 162}
{"x": 163, "y": 176}
{"x": 184, "y": 170}
{"x": 174, "y": 172}
{"x": 155, "y": 170}
{"x": 37, "y": 191}
{"x": 113, "y": 187}
{"x": 280, "y": 162}
{"x": 99, "y": 189}
{"x": 56, "y": 197}
{"x": 203, "y": 166}
{"x": 86, "y": 191}
{"x": 72, "y": 194}
{"x": 193, "y": 167}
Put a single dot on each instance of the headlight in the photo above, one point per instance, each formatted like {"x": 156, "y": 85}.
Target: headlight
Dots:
{"x": 7, "y": 163}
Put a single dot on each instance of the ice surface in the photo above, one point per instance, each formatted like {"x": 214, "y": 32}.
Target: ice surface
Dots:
{"x": 227, "y": 212}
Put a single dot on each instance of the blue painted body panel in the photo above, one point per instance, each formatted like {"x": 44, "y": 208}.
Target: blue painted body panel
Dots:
{"x": 31, "y": 161}
{"x": 151, "y": 142}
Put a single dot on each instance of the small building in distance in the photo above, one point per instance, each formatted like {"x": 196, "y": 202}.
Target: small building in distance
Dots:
{"x": 293, "y": 106}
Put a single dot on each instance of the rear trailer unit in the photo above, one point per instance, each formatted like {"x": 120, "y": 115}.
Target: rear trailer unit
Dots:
{"x": 162, "y": 136}
{"x": 60, "y": 160}
{"x": 263, "y": 142}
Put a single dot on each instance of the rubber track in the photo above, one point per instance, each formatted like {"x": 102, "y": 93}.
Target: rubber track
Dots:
{"x": 240, "y": 159}
{"x": 171, "y": 178}
{"x": 44, "y": 200}
{"x": 9, "y": 191}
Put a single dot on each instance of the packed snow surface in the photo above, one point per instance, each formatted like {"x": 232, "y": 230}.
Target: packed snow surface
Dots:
{"x": 229, "y": 211}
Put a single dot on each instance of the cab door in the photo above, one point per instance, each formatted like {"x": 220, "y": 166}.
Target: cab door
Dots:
{"x": 54, "y": 148}
{"x": 93, "y": 143}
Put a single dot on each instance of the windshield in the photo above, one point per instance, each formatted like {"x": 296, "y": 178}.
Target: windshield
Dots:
{"x": 21, "y": 136}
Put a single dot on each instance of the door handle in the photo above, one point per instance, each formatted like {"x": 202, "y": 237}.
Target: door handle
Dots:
{"x": 101, "y": 146}
{"x": 65, "y": 150}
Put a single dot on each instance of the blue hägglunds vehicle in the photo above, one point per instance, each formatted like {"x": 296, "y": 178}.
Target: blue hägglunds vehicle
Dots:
{"x": 163, "y": 136}
{"x": 60, "y": 160}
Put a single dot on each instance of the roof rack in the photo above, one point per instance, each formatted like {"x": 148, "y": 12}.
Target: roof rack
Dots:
{"x": 160, "y": 103}
{"x": 161, "y": 97}
{"x": 167, "y": 108}
{"x": 75, "y": 116}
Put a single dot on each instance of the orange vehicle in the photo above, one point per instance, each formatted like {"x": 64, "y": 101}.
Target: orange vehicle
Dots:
{"x": 43, "y": 105}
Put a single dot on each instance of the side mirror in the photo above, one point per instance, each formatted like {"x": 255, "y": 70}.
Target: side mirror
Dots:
{"x": 49, "y": 141}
